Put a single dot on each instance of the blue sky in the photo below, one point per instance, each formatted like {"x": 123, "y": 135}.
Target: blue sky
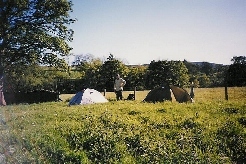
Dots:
{"x": 139, "y": 31}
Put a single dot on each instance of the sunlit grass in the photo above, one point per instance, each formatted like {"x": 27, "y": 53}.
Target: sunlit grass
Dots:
{"x": 132, "y": 131}
{"x": 201, "y": 94}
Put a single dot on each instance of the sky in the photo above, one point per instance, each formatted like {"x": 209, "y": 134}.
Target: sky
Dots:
{"x": 139, "y": 31}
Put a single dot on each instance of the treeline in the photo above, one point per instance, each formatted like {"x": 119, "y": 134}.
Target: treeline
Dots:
{"x": 34, "y": 45}
{"x": 87, "y": 71}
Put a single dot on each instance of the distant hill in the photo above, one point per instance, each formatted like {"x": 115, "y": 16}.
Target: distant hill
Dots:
{"x": 213, "y": 64}
{"x": 196, "y": 63}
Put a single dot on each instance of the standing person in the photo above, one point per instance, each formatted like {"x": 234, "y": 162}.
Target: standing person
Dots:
{"x": 119, "y": 83}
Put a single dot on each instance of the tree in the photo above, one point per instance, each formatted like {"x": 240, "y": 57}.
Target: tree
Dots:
{"x": 217, "y": 79}
{"x": 215, "y": 73}
{"x": 34, "y": 31}
{"x": 171, "y": 72}
{"x": 236, "y": 75}
{"x": 80, "y": 59}
{"x": 89, "y": 68}
{"x": 136, "y": 77}
{"x": 239, "y": 60}
{"x": 179, "y": 73}
{"x": 33, "y": 77}
{"x": 108, "y": 71}
{"x": 204, "y": 80}
{"x": 207, "y": 68}
{"x": 193, "y": 69}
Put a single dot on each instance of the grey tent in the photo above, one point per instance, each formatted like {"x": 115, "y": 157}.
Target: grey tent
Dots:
{"x": 163, "y": 93}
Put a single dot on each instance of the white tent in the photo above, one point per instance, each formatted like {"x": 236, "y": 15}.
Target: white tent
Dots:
{"x": 88, "y": 96}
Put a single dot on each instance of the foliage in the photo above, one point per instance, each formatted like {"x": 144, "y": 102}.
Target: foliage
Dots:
{"x": 171, "y": 72}
{"x": 136, "y": 77}
{"x": 148, "y": 76}
{"x": 34, "y": 32}
{"x": 204, "y": 81}
{"x": 108, "y": 71}
{"x": 236, "y": 75}
{"x": 207, "y": 68}
{"x": 208, "y": 131}
{"x": 89, "y": 67}
{"x": 88, "y": 71}
{"x": 217, "y": 78}
{"x": 206, "y": 74}
{"x": 239, "y": 60}
{"x": 32, "y": 77}
{"x": 100, "y": 75}
{"x": 193, "y": 69}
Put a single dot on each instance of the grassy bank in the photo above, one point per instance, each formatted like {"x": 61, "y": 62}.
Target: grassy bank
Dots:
{"x": 211, "y": 130}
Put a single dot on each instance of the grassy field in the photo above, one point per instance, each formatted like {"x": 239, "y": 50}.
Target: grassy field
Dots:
{"x": 211, "y": 130}
{"x": 201, "y": 94}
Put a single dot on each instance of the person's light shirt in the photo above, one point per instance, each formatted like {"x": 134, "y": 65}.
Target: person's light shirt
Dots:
{"x": 119, "y": 84}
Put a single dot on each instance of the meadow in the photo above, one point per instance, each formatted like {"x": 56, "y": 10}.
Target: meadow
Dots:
{"x": 210, "y": 130}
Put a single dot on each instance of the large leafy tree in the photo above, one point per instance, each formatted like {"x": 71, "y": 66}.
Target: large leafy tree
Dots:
{"x": 108, "y": 71}
{"x": 136, "y": 77}
{"x": 89, "y": 67}
{"x": 34, "y": 31}
{"x": 166, "y": 72}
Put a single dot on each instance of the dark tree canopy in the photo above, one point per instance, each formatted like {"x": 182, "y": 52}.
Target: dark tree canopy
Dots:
{"x": 34, "y": 31}
{"x": 108, "y": 71}
{"x": 236, "y": 75}
{"x": 166, "y": 72}
{"x": 239, "y": 60}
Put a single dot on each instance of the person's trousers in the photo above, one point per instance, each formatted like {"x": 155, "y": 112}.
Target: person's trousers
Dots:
{"x": 119, "y": 95}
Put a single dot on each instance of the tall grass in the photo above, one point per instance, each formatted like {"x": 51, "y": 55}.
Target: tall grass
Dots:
{"x": 211, "y": 130}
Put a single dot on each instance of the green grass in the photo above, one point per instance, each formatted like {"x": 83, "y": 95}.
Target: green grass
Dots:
{"x": 201, "y": 94}
{"x": 211, "y": 130}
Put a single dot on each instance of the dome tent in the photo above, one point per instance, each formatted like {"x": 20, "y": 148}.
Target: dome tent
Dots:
{"x": 87, "y": 96}
{"x": 164, "y": 93}
{"x": 180, "y": 94}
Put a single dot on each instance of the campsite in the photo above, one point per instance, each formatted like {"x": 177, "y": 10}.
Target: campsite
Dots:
{"x": 211, "y": 130}
{"x": 122, "y": 82}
